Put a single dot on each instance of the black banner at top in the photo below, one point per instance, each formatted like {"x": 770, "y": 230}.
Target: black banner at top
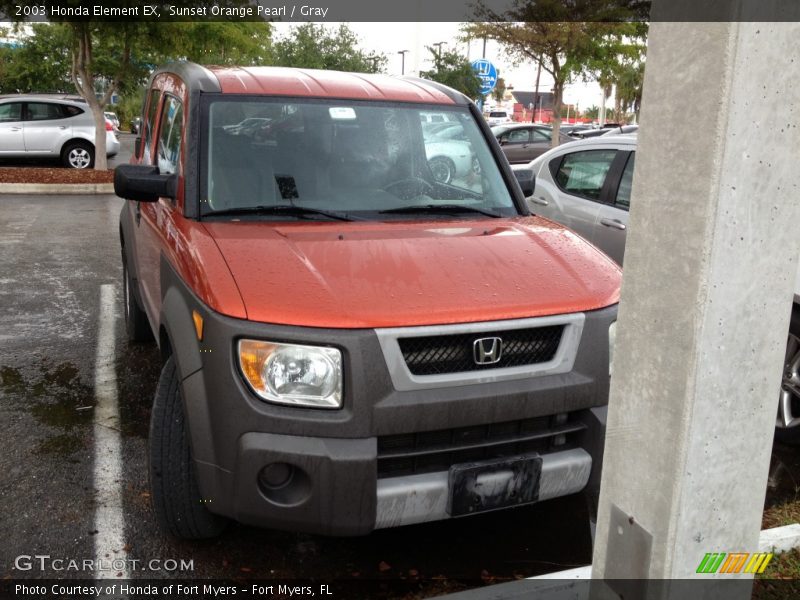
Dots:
{"x": 395, "y": 11}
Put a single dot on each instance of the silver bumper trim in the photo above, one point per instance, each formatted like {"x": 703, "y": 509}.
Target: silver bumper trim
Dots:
{"x": 420, "y": 498}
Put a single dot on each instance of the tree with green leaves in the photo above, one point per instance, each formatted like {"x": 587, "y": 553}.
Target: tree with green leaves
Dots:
{"x": 243, "y": 43}
{"x": 39, "y": 63}
{"x": 618, "y": 62}
{"x": 109, "y": 56}
{"x": 454, "y": 70}
{"x": 314, "y": 46}
{"x": 550, "y": 32}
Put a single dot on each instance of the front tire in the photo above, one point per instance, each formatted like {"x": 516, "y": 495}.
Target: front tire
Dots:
{"x": 78, "y": 155}
{"x": 175, "y": 496}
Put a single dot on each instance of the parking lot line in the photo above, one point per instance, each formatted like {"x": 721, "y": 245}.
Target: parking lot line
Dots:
{"x": 109, "y": 519}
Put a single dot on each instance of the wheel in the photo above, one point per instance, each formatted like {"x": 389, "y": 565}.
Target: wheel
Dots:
{"x": 78, "y": 155}
{"x": 174, "y": 493}
{"x": 136, "y": 324}
{"x": 442, "y": 169}
{"x": 476, "y": 165}
{"x": 789, "y": 407}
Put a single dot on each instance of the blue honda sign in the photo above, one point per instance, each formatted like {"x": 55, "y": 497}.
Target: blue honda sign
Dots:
{"x": 486, "y": 73}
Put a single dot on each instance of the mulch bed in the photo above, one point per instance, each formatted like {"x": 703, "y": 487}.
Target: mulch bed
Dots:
{"x": 54, "y": 175}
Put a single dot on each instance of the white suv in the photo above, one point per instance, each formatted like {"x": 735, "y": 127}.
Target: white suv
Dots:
{"x": 498, "y": 117}
{"x": 48, "y": 127}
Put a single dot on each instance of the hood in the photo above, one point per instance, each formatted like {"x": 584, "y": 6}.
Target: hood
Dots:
{"x": 367, "y": 275}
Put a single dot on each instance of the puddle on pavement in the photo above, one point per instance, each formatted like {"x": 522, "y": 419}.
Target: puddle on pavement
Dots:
{"x": 55, "y": 396}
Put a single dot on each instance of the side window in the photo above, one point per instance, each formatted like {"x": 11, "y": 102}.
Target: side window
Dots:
{"x": 72, "y": 111}
{"x": 626, "y": 183}
{"x": 170, "y": 136}
{"x": 519, "y": 136}
{"x": 10, "y": 112}
{"x": 541, "y": 136}
{"x": 149, "y": 124}
{"x": 43, "y": 111}
{"x": 584, "y": 173}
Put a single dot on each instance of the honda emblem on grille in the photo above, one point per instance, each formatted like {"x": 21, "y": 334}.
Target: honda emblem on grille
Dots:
{"x": 487, "y": 351}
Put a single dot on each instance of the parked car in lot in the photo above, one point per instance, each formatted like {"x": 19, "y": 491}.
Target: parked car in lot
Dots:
{"x": 523, "y": 142}
{"x": 114, "y": 119}
{"x": 498, "y": 117}
{"x": 623, "y": 129}
{"x": 33, "y": 126}
{"x": 574, "y": 130}
{"x": 349, "y": 343}
{"x": 587, "y": 187}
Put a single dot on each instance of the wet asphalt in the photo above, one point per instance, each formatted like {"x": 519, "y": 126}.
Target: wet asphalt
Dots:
{"x": 55, "y": 253}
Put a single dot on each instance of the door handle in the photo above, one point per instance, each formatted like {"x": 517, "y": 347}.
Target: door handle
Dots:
{"x": 613, "y": 223}
{"x": 539, "y": 201}
{"x": 62, "y": 126}
{"x": 16, "y": 128}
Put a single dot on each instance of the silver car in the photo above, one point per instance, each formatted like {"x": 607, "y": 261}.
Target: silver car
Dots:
{"x": 586, "y": 185}
{"x": 36, "y": 126}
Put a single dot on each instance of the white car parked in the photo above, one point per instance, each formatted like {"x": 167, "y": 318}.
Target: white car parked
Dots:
{"x": 498, "y": 117}
{"x": 32, "y": 126}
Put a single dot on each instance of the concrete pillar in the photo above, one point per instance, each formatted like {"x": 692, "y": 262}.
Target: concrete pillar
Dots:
{"x": 709, "y": 269}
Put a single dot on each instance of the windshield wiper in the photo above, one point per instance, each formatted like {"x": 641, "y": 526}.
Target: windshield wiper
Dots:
{"x": 282, "y": 209}
{"x": 447, "y": 209}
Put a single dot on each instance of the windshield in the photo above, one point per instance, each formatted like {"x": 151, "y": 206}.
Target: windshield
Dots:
{"x": 355, "y": 159}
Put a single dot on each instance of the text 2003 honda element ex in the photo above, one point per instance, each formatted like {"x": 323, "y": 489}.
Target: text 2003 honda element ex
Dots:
{"x": 362, "y": 325}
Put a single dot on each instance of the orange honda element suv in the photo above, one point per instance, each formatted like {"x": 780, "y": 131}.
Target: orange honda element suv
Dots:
{"x": 351, "y": 340}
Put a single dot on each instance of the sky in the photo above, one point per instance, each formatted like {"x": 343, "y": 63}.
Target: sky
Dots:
{"x": 389, "y": 38}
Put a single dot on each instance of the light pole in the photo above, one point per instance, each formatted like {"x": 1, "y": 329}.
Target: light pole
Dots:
{"x": 402, "y": 54}
{"x": 439, "y": 48}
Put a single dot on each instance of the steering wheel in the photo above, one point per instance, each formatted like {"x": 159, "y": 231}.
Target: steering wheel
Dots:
{"x": 411, "y": 187}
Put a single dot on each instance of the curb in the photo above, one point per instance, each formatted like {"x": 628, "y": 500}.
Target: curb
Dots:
{"x": 59, "y": 189}
{"x": 562, "y": 585}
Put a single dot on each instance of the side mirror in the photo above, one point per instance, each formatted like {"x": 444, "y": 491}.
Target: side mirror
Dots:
{"x": 526, "y": 179}
{"x": 143, "y": 183}
{"x": 137, "y": 147}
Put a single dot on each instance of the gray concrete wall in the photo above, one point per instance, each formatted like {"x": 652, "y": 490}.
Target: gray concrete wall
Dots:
{"x": 709, "y": 270}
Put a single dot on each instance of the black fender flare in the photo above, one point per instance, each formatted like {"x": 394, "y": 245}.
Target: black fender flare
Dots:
{"x": 177, "y": 324}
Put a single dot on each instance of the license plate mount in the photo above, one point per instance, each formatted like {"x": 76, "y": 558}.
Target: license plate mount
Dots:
{"x": 489, "y": 485}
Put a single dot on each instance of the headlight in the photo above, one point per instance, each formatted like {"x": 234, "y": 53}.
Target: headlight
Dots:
{"x": 292, "y": 374}
{"x": 612, "y": 338}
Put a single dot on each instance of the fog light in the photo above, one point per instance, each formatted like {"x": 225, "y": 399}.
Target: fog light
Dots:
{"x": 284, "y": 485}
{"x": 275, "y": 475}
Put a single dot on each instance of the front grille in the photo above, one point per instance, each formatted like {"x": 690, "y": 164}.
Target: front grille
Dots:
{"x": 443, "y": 354}
{"x": 433, "y": 451}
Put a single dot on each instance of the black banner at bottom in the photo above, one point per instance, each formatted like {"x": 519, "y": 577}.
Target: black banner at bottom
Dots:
{"x": 395, "y": 589}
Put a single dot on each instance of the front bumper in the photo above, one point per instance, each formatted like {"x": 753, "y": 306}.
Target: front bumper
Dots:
{"x": 334, "y": 489}
{"x": 383, "y": 459}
